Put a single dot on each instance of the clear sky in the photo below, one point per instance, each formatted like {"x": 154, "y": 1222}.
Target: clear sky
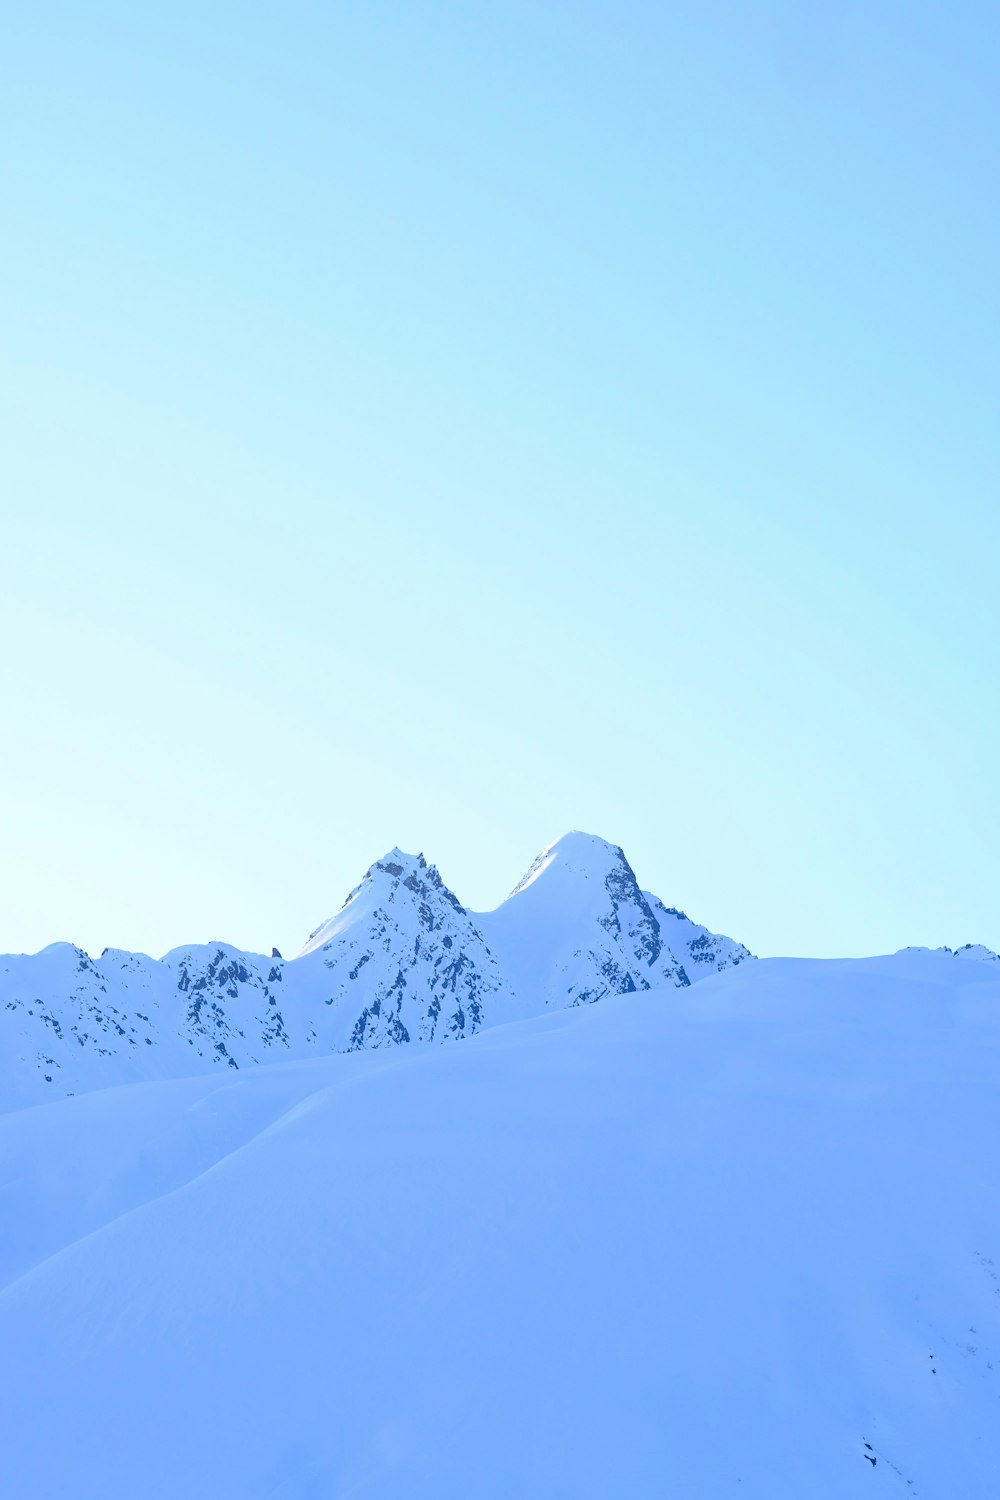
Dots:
{"x": 447, "y": 425}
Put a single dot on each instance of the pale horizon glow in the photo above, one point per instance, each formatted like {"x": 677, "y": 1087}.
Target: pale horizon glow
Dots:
{"x": 446, "y": 429}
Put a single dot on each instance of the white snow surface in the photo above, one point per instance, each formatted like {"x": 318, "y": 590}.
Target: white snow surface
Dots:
{"x": 734, "y": 1239}
{"x": 402, "y": 961}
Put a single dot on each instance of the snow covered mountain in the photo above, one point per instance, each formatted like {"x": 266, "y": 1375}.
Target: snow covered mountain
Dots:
{"x": 404, "y": 960}
{"x": 740, "y": 1239}
{"x": 577, "y": 927}
{"x": 401, "y": 961}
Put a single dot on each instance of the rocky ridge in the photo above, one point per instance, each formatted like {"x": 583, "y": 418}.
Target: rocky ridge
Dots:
{"x": 401, "y": 961}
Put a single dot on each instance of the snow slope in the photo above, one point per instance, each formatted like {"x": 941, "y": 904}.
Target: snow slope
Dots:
{"x": 740, "y": 1239}
{"x": 402, "y": 961}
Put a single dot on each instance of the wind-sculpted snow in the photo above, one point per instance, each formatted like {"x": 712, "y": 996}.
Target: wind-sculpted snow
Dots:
{"x": 740, "y": 1239}
{"x": 401, "y": 961}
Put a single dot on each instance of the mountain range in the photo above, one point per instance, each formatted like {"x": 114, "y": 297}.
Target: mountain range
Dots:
{"x": 667, "y": 1222}
{"x": 737, "y": 1240}
{"x": 402, "y": 961}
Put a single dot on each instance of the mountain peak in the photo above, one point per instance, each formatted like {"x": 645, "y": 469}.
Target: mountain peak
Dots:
{"x": 420, "y": 882}
{"x": 577, "y": 926}
{"x": 398, "y": 863}
{"x": 577, "y": 854}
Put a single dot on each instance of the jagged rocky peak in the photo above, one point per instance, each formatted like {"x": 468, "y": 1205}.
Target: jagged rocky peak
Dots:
{"x": 404, "y": 960}
{"x": 411, "y": 869}
{"x": 396, "y": 879}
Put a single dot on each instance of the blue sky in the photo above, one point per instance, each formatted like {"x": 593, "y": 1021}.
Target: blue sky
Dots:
{"x": 445, "y": 426}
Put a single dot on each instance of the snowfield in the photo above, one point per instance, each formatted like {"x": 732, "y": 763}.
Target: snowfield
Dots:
{"x": 740, "y": 1238}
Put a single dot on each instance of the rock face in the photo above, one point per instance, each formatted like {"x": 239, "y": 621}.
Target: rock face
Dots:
{"x": 401, "y": 961}
{"x": 404, "y": 960}
{"x": 701, "y": 952}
